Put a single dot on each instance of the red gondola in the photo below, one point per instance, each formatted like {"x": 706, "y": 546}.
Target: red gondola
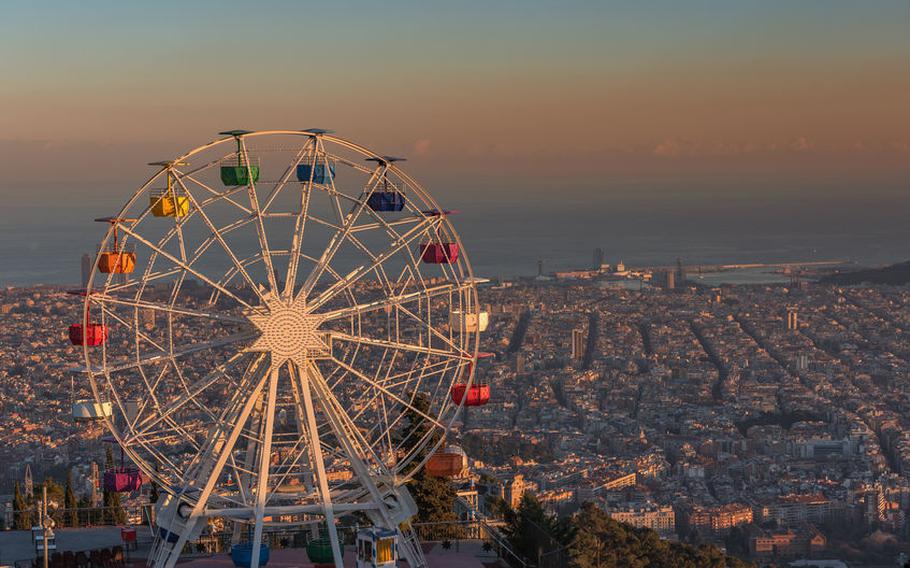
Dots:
{"x": 475, "y": 395}
{"x": 439, "y": 253}
{"x": 122, "y": 479}
{"x": 92, "y": 334}
{"x": 87, "y": 333}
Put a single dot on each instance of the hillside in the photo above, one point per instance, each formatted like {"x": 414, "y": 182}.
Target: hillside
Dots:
{"x": 896, "y": 274}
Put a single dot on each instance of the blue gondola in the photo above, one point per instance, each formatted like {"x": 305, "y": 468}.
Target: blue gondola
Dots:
{"x": 320, "y": 174}
{"x": 242, "y": 554}
{"x": 386, "y": 201}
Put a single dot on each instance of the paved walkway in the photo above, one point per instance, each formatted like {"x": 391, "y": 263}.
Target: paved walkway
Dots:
{"x": 17, "y": 546}
{"x": 468, "y": 555}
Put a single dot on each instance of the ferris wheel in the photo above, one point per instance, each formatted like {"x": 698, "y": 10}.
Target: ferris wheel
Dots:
{"x": 281, "y": 328}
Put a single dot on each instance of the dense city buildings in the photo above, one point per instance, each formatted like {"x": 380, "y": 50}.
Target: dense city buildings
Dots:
{"x": 778, "y": 410}
{"x": 707, "y": 414}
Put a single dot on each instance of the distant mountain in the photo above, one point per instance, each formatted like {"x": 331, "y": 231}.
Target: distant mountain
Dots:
{"x": 896, "y": 274}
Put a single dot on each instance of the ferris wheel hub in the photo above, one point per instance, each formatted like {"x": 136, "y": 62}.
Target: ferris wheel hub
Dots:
{"x": 289, "y": 332}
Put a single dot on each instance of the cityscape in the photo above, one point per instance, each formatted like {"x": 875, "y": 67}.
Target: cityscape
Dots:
{"x": 767, "y": 419}
{"x": 502, "y": 285}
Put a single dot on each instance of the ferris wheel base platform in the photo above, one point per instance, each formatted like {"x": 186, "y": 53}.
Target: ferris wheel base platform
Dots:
{"x": 469, "y": 555}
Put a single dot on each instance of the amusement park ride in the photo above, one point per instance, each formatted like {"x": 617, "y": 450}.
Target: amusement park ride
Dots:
{"x": 317, "y": 335}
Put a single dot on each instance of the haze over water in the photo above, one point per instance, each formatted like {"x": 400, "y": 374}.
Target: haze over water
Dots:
{"x": 505, "y": 233}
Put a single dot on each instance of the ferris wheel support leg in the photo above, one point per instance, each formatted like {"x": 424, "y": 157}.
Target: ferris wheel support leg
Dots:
{"x": 265, "y": 459}
{"x": 319, "y": 462}
{"x": 394, "y": 505}
{"x": 166, "y": 556}
{"x": 248, "y": 464}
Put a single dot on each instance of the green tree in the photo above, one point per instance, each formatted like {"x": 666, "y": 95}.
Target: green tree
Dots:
{"x": 22, "y": 513}
{"x": 533, "y": 532}
{"x": 113, "y": 510}
{"x": 70, "y": 504}
{"x": 600, "y": 542}
{"x": 435, "y": 497}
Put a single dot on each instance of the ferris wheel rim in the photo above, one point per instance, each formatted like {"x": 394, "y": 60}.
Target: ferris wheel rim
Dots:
{"x": 419, "y": 189}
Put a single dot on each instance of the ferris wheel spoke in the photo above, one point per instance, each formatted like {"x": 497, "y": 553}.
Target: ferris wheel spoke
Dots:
{"x": 164, "y": 413}
{"x": 428, "y": 370}
{"x": 167, "y": 273}
{"x": 392, "y": 301}
{"x": 345, "y": 430}
{"x": 265, "y": 460}
{"x": 220, "y": 449}
{"x": 217, "y": 195}
{"x": 338, "y": 238}
{"x": 190, "y": 269}
{"x": 387, "y": 224}
{"x": 297, "y": 239}
{"x": 385, "y": 391}
{"x": 260, "y": 228}
{"x": 232, "y": 418}
{"x": 220, "y": 238}
{"x": 167, "y": 355}
{"x": 129, "y": 326}
{"x": 400, "y": 346}
{"x": 147, "y": 305}
{"x": 431, "y": 331}
{"x": 360, "y": 272}
{"x": 303, "y": 152}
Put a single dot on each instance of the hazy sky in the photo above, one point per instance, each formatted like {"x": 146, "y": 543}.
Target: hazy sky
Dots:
{"x": 486, "y": 94}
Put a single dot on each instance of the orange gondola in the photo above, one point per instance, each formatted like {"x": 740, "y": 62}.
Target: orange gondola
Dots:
{"x": 447, "y": 462}
{"x": 116, "y": 260}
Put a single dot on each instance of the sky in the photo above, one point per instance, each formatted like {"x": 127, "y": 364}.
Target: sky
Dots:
{"x": 728, "y": 130}
{"x": 515, "y": 96}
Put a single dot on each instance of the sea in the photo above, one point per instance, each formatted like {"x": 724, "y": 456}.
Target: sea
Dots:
{"x": 45, "y": 230}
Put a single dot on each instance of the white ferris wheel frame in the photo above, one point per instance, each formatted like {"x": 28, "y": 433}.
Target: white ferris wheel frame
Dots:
{"x": 381, "y": 493}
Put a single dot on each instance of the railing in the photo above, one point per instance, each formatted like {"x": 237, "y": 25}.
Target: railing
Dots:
{"x": 493, "y": 534}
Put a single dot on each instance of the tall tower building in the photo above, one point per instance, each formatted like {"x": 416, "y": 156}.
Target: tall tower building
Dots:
{"x": 29, "y": 482}
{"x": 598, "y": 259}
{"x": 540, "y": 267}
{"x": 792, "y": 318}
{"x": 578, "y": 344}
{"x": 86, "y": 269}
{"x": 680, "y": 272}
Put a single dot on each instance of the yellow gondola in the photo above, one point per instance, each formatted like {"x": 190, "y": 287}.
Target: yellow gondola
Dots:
{"x": 169, "y": 202}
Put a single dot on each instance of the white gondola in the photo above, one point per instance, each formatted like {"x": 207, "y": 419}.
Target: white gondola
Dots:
{"x": 377, "y": 548}
{"x": 471, "y": 323}
{"x": 88, "y": 409}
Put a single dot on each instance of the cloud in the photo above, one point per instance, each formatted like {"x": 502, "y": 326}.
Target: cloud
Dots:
{"x": 801, "y": 144}
{"x": 422, "y": 147}
{"x": 670, "y": 148}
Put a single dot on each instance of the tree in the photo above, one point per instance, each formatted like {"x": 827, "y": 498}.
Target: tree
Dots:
{"x": 21, "y": 510}
{"x": 113, "y": 510}
{"x": 435, "y": 497}
{"x": 70, "y": 504}
{"x": 601, "y": 542}
{"x": 416, "y": 425}
{"x": 533, "y": 532}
